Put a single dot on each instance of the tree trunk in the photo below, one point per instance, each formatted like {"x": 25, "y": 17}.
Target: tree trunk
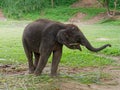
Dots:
{"x": 52, "y": 3}
{"x": 115, "y": 6}
{"x": 106, "y": 4}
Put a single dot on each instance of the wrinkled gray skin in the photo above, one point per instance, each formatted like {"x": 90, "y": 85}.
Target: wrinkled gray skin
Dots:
{"x": 43, "y": 37}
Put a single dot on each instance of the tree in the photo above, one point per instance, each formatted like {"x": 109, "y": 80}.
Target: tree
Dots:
{"x": 106, "y": 4}
{"x": 52, "y": 3}
{"x": 115, "y": 7}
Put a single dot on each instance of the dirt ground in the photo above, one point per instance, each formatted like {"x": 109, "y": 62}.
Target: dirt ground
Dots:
{"x": 112, "y": 83}
{"x": 86, "y": 3}
{"x": 78, "y": 18}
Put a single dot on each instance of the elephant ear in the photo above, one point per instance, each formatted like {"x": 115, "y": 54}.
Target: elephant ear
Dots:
{"x": 64, "y": 38}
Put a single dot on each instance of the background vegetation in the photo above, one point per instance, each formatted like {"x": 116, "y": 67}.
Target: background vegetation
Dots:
{"x": 111, "y": 4}
{"x": 16, "y": 8}
{"x": 22, "y": 8}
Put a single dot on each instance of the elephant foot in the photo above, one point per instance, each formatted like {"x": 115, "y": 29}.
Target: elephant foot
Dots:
{"x": 54, "y": 74}
{"x": 31, "y": 70}
{"x": 36, "y": 73}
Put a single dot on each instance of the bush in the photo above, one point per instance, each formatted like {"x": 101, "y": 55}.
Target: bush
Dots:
{"x": 16, "y": 8}
{"x": 64, "y": 2}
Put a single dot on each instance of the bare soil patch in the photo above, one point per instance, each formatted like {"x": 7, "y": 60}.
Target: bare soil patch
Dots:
{"x": 86, "y": 3}
{"x": 79, "y": 18}
{"x": 13, "y": 69}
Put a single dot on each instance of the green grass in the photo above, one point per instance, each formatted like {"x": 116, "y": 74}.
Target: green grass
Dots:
{"x": 110, "y": 21}
{"x": 62, "y": 13}
{"x": 10, "y": 42}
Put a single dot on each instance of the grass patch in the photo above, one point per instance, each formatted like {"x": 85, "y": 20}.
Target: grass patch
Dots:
{"x": 110, "y": 21}
{"x": 45, "y": 82}
{"x": 83, "y": 59}
{"x": 108, "y": 32}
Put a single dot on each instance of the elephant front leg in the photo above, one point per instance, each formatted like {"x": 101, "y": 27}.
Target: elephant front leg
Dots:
{"x": 42, "y": 62}
{"x": 55, "y": 61}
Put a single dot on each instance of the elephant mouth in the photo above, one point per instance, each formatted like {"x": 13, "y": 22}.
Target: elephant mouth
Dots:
{"x": 75, "y": 46}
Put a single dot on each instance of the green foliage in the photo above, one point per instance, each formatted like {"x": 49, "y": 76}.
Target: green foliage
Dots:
{"x": 16, "y": 8}
{"x": 64, "y": 2}
{"x": 111, "y": 4}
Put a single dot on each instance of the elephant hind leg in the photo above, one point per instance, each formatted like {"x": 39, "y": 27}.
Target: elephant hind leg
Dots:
{"x": 29, "y": 55}
{"x": 37, "y": 56}
{"x": 30, "y": 62}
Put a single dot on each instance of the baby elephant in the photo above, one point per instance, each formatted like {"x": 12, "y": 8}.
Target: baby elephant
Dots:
{"x": 43, "y": 37}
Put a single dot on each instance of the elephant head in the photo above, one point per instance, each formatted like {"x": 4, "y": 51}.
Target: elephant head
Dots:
{"x": 72, "y": 37}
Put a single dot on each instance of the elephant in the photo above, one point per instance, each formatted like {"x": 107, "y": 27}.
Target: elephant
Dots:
{"x": 43, "y": 37}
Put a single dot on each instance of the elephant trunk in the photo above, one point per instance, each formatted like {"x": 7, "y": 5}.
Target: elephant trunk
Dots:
{"x": 91, "y": 48}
